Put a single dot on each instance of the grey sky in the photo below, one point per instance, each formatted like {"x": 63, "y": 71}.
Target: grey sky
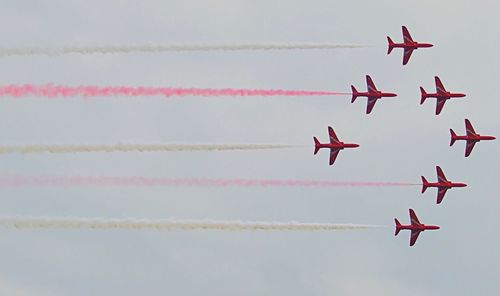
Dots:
{"x": 400, "y": 141}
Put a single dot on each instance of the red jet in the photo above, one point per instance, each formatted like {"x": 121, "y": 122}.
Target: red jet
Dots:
{"x": 373, "y": 94}
{"x": 443, "y": 184}
{"x": 335, "y": 145}
{"x": 416, "y": 227}
{"x": 408, "y": 44}
{"x": 441, "y": 95}
{"x": 471, "y": 137}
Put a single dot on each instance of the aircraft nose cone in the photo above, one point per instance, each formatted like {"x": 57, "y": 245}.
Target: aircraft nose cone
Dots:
{"x": 437, "y": 227}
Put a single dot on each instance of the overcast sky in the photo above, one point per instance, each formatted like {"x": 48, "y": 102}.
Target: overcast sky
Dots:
{"x": 400, "y": 141}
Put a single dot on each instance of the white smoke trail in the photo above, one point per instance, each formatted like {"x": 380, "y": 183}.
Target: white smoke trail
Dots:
{"x": 134, "y": 148}
{"x": 169, "y": 225}
{"x": 158, "y": 48}
{"x": 120, "y": 181}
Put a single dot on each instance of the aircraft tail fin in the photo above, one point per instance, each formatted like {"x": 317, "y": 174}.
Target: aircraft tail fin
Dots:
{"x": 425, "y": 184}
{"x": 398, "y": 227}
{"x": 354, "y": 93}
{"x": 316, "y": 145}
{"x": 453, "y": 137}
{"x": 390, "y": 45}
{"x": 423, "y": 94}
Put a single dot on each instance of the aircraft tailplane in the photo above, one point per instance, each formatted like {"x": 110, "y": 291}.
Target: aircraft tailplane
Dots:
{"x": 390, "y": 44}
{"x": 398, "y": 227}
{"x": 316, "y": 145}
{"x": 425, "y": 184}
{"x": 354, "y": 93}
{"x": 423, "y": 95}
{"x": 453, "y": 137}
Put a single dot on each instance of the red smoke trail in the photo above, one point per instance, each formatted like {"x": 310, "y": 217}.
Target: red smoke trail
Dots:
{"x": 53, "y": 91}
{"x": 69, "y": 181}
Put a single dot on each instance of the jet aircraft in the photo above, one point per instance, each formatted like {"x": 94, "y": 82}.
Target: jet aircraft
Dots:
{"x": 442, "y": 95}
{"x": 471, "y": 137}
{"x": 416, "y": 227}
{"x": 442, "y": 184}
{"x": 335, "y": 145}
{"x": 372, "y": 94}
{"x": 408, "y": 44}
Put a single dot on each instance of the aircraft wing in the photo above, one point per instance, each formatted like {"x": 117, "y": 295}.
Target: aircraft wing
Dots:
{"x": 413, "y": 218}
{"x": 370, "y": 85}
{"x": 439, "y": 105}
{"x": 468, "y": 128}
{"x": 468, "y": 148}
{"x": 441, "y": 193}
{"x": 439, "y": 85}
{"x": 406, "y": 35}
{"x": 406, "y": 55}
{"x": 371, "y": 103}
{"x": 333, "y": 155}
{"x": 440, "y": 175}
{"x": 414, "y": 236}
{"x": 333, "y": 136}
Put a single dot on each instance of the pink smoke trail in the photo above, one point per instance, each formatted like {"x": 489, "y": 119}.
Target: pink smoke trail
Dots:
{"x": 54, "y": 91}
{"x": 70, "y": 181}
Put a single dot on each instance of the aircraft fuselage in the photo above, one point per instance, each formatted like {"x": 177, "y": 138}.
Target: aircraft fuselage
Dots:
{"x": 445, "y": 184}
{"x": 340, "y": 145}
{"x": 421, "y": 227}
{"x": 444, "y": 95}
{"x": 414, "y": 45}
{"x": 475, "y": 138}
{"x": 377, "y": 94}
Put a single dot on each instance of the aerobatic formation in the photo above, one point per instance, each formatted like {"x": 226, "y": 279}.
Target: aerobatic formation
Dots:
{"x": 334, "y": 145}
